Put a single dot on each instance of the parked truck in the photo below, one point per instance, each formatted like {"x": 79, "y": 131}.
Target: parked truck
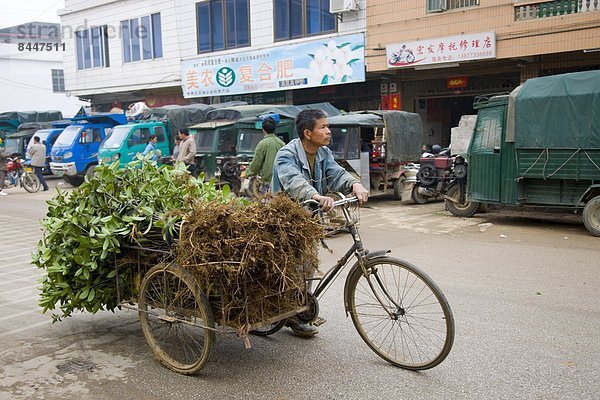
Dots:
{"x": 16, "y": 142}
{"x": 538, "y": 146}
{"x": 75, "y": 152}
{"x": 127, "y": 141}
{"x": 47, "y": 136}
{"x": 10, "y": 120}
{"x": 379, "y": 147}
{"x": 225, "y": 143}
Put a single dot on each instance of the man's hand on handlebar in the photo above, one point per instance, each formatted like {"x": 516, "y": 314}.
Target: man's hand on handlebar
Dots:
{"x": 325, "y": 203}
{"x": 360, "y": 192}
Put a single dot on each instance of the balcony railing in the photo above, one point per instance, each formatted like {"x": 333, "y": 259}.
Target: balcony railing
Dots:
{"x": 554, "y": 8}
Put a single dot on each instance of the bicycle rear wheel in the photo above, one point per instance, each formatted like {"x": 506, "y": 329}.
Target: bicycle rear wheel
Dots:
{"x": 401, "y": 314}
{"x": 175, "y": 315}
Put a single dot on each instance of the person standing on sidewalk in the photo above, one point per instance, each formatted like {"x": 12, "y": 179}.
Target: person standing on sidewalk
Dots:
{"x": 3, "y": 166}
{"x": 37, "y": 151}
{"x": 264, "y": 155}
{"x": 187, "y": 150}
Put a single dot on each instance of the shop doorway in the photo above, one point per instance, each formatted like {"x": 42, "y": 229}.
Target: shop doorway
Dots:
{"x": 440, "y": 114}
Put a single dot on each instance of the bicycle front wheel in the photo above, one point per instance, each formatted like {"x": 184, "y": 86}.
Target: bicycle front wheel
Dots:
{"x": 400, "y": 313}
{"x": 176, "y": 319}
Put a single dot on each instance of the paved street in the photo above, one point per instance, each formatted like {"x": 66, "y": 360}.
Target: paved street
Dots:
{"x": 523, "y": 288}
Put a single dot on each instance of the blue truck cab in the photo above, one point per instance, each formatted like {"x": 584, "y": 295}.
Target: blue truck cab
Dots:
{"x": 47, "y": 137}
{"x": 127, "y": 141}
{"x": 75, "y": 152}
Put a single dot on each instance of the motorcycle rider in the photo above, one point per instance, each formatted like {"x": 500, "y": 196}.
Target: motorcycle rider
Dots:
{"x": 3, "y": 166}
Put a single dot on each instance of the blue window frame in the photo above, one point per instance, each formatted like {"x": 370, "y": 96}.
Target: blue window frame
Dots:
{"x": 300, "y": 18}
{"x": 222, "y": 24}
{"x": 92, "y": 48}
{"x": 141, "y": 38}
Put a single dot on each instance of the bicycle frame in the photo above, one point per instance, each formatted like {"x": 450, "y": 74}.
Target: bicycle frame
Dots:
{"x": 361, "y": 254}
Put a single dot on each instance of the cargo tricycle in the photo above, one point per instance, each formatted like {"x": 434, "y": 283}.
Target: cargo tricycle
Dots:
{"x": 399, "y": 312}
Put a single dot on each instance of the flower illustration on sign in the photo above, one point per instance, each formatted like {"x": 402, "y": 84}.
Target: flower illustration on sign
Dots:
{"x": 333, "y": 63}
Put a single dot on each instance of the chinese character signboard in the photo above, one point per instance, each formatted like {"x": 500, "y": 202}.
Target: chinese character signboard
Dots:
{"x": 458, "y": 82}
{"x": 394, "y": 101}
{"x": 450, "y": 49}
{"x": 330, "y": 61}
{"x": 390, "y": 101}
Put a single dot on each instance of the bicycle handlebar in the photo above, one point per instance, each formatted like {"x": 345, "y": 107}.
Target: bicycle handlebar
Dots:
{"x": 341, "y": 202}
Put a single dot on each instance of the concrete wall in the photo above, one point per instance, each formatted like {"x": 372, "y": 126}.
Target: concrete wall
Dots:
{"x": 178, "y": 23}
{"x": 120, "y": 76}
{"x": 392, "y": 21}
{"x": 26, "y": 82}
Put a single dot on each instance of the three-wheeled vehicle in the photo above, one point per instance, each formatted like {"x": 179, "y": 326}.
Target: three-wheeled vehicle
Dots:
{"x": 538, "y": 146}
{"x": 128, "y": 140}
{"x": 226, "y": 141}
{"x": 380, "y": 147}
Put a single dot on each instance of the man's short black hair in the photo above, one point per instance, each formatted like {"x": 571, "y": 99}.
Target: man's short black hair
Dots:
{"x": 152, "y": 137}
{"x": 36, "y": 138}
{"x": 307, "y": 119}
{"x": 269, "y": 125}
{"x": 185, "y": 131}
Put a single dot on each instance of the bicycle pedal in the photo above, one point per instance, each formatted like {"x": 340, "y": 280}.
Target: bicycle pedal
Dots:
{"x": 319, "y": 321}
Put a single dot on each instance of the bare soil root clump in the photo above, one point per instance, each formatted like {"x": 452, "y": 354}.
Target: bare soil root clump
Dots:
{"x": 251, "y": 260}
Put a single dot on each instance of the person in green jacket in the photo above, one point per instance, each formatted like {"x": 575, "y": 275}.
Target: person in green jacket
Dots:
{"x": 264, "y": 155}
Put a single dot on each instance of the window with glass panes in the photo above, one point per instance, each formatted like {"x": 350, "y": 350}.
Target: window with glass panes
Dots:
{"x": 58, "y": 80}
{"x": 299, "y": 18}
{"x": 222, "y": 24}
{"x": 141, "y": 38}
{"x": 92, "y": 47}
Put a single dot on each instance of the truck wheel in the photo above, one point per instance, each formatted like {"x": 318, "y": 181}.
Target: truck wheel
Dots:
{"x": 73, "y": 180}
{"x": 591, "y": 216}
{"x": 466, "y": 209}
{"x": 418, "y": 197}
{"x": 398, "y": 188}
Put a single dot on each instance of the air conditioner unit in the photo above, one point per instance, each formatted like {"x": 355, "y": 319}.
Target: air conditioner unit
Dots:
{"x": 340, "y": 6}
{"x": 436, "y": 6}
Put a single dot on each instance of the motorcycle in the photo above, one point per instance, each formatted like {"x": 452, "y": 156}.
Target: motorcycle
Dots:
{"x": 437, "y": 174}
{"x": 21, "y": 175}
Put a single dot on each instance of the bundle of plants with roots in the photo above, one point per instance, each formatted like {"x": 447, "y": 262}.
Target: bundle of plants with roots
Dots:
{"x": 251, "y": 260}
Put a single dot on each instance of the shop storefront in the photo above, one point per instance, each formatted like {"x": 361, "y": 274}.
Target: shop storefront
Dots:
{"x": 327, "y": 69}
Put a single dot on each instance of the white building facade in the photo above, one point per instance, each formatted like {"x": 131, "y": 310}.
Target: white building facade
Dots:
{"x": 107, "y": 63}
{"x": 31, "y": 61}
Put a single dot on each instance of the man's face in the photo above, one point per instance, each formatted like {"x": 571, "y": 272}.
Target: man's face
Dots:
{"x": 320, "y": 135}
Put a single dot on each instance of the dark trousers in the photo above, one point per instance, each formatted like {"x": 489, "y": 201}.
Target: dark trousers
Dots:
{"x": 40, "y": 175}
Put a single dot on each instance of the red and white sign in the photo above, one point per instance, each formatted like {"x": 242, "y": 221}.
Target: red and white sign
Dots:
{"x": 450, "y": 49}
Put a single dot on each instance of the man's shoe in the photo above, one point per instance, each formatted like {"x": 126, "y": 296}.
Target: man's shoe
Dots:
{"x": 43, "y": 190}
{"x": 3, "y": 193}
{"x": 303, "y": 330}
